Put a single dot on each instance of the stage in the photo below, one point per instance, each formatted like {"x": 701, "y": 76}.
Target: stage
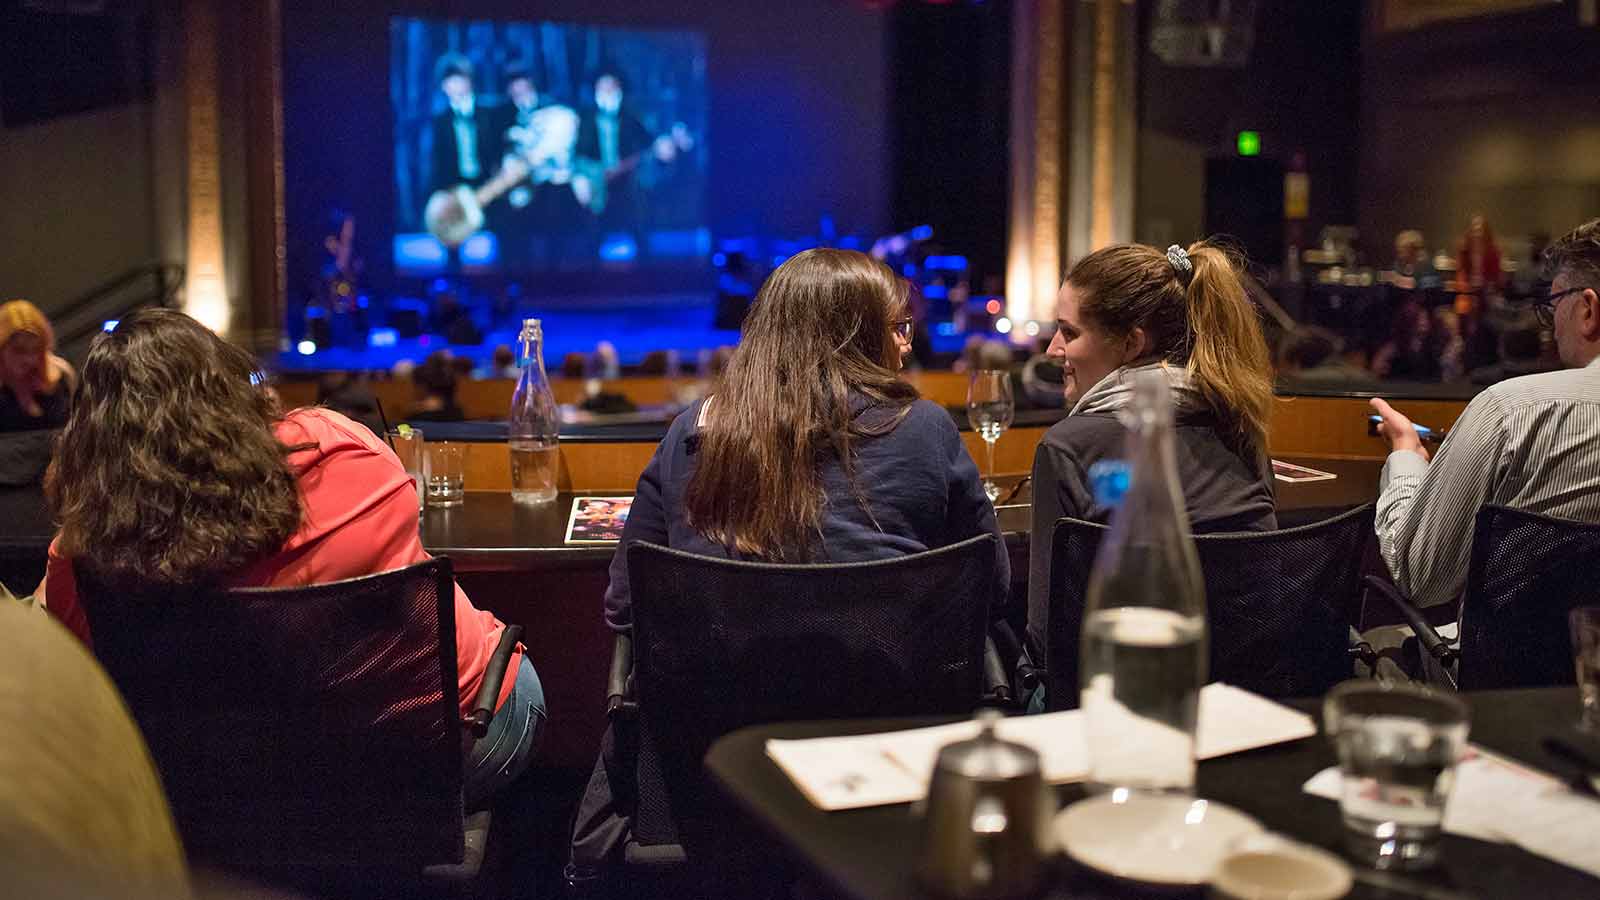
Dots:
{"x": 642, "y": 325}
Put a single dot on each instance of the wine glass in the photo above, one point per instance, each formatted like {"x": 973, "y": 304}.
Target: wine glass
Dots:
{"x": 990, "y": 408}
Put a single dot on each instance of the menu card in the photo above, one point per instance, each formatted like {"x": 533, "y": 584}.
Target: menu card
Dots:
{"x": 894, "y": 767}
{"x": 1502, "y": 802}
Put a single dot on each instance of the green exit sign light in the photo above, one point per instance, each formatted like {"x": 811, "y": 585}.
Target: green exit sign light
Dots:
{"x": 1249, "y": 143}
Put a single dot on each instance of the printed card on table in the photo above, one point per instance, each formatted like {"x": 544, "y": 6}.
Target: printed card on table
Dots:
{"x": 598, "y": 520}
{"x": 1292, "y": 473}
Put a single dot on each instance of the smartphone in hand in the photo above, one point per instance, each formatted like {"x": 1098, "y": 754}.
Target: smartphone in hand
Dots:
{"x": 1424, "y": 433}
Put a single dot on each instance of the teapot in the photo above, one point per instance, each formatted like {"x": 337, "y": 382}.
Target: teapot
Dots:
{"x": 987, "y": 823}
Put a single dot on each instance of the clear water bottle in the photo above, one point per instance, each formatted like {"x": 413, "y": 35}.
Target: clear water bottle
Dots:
{"x": 534, "y": 425}
{"x": 1144, "y": 629}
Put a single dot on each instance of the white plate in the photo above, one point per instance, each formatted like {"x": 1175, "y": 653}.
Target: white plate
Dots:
{"x": 1154, "y": 840}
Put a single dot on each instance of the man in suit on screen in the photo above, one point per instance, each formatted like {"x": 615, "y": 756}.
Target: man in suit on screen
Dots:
{"x": 466, "y": 145}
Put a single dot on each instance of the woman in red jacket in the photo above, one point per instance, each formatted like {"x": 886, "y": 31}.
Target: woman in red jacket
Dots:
{"x": 175, "y": 469}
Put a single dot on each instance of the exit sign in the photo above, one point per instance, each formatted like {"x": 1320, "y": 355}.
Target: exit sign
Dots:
{"x": 1249, "y": 143}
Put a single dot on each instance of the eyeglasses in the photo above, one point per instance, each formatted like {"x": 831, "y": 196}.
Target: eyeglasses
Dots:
{"x": 903, "y": 328}
{"x": 1545, "y": 307}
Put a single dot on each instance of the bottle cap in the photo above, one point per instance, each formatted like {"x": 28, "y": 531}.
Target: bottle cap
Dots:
{"x": 1109, "y": 479}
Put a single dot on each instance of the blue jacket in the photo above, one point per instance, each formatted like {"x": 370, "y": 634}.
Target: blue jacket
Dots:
{"x": 918, "y": 479}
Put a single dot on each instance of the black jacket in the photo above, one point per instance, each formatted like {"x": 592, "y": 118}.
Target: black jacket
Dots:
{"x": 1223, "y": 490}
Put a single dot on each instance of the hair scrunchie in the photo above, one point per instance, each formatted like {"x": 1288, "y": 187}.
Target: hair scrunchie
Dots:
{"x": 1181, "y": 263}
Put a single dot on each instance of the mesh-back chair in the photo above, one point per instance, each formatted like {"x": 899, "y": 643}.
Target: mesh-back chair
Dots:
{"x": 1279, "y": 604}
{"x": 719, "y": 645}
{"x": 1527, "y": 572}
{"x": 304, "y": 729}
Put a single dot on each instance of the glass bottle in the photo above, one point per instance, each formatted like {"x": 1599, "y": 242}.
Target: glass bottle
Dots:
{"x": 534, "y": 426}
{"x": 1144, "y": 654}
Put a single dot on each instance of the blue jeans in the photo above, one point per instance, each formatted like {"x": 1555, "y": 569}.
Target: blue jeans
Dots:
{"x": 501, "y": 755}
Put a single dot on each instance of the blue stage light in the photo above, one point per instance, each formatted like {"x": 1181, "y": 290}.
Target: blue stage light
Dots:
{"x": 909, "y": 270}
{"x": 922, "y": 232}
{"x": 946, "y": 263}
{"x": 719, "y": 259}
{"x": 619, "y": 248}
{"x": 482, "y": 249}
{"x": 945, "y": 329}
{"x": 850, "y": 242}
{"x": 419, "y": 252}
{"x": 935, "y": 291}
{"x": 307, "y": 347}
{"x": 382, "y": 337}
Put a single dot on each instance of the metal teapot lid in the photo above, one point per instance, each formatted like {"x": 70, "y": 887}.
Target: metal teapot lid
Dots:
{"x": 987, "y": 757}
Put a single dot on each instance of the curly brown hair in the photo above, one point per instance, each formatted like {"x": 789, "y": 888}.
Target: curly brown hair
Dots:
{"x": 168, "y": 473}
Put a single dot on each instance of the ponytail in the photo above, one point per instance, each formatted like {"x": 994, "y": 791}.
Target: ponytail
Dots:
{"x": 1228, "y": 357}
{"x": 1193, "y": 308}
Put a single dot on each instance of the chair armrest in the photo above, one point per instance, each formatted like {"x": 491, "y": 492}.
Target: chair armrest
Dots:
{"x": 494, "y": 676}
{"x": 619, "y": 684}
{"x": 1436, "y": 646}
{"x": 996, "y": 683}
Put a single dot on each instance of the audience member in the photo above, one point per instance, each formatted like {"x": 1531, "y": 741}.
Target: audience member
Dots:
{"x": 38, "y": 385}
{"x": 1479, "y": 271}
{"x": 502, "y": 364}
{"x": 176, "y": 470}
{"x": 435, "y": 384}
{"x": 1521, "y": 348}
{"x": 1528, "y": 443}
{"x": 82, "y": 812}
{"x": 1410, "y": 354}
{"x": 1413, "y": 270}
{"x": 810, "y": 449}
{"x": 1313, "y": 357}
{"x": 350, "y": 396}
{"x": 1448, "y": 343}
{"x": 1130, "y": 309}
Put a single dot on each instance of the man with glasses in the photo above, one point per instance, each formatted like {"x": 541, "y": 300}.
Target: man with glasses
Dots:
{"x": 1529, "y": 443}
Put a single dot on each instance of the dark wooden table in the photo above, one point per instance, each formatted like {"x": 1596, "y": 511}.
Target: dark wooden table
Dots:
{"x": 868, "y": 854}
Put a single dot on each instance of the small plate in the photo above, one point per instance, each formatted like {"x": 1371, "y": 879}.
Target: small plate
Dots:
{"x": 1173, "y": 842}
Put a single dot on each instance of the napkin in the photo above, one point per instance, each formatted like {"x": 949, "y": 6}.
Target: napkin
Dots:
{"x": 1500, "y": 801}
{"x": 895, "y": 767}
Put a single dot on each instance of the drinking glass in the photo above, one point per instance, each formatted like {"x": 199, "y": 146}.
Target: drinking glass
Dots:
{"x": 990, "y": 408}
{"x": 1398, "y": 746}
{"x": 1585, "y": 621}
{"x": 447, "y": 473}
{"x": 408, "y": 445}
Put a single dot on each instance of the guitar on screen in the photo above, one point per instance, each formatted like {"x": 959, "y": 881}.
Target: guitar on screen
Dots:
{"x": 542, "y": 156}
{"x": 591, "y": 179}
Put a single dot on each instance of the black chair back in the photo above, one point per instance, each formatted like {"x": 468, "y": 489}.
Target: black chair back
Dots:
{"x": 720, "y": 645}
{"x": 298, "y": 727}
{"x": 1527, "y": 572}
{"x": 1279, "y": 604}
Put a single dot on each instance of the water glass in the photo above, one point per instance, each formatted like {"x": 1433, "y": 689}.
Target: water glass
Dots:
{"x": 990, "y": 409}
{"x": 408, "y": 446}
{"x": 1398, "y": 745}
{"x": 1585, "y": 621}
{"x": 447, "y": 473}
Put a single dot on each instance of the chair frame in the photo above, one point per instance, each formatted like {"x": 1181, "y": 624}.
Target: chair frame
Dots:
{"x": 1031, "y": 676}
{"x": 1445, "y": 663}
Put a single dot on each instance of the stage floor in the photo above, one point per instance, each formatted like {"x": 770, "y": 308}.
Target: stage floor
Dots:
{"x": 634, "y": 330}
{"x": 686, "y": 326}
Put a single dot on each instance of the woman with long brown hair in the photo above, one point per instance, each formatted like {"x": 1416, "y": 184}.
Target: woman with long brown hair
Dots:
{"x": 176, "y": 470}
{"x": 809, "y": 449}
{"x": 1126, "y": 310}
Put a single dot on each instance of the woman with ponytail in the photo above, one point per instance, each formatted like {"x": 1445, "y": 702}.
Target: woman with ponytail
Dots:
{"x": 1128, "y": 309}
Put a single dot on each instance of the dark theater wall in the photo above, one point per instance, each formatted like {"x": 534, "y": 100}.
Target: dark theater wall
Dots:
{"x": 1300, "y": 90}
{"x": 798, "y": 123}
{"x": 1493, "y": 115}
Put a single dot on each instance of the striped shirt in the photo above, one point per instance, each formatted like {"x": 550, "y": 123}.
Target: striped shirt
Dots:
{"x": 1529, "y": 443}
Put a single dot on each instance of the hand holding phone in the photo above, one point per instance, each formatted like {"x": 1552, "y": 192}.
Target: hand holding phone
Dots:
{"x": 1424, "y": 433}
